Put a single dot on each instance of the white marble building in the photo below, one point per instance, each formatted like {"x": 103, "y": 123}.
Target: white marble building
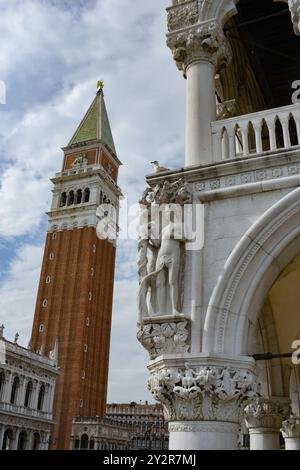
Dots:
{"x": 221, "y": 319}
{"x": 27, "y": 384}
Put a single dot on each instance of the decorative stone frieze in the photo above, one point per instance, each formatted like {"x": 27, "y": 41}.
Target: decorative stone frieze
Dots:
{"x": 182, "y": 14}
{"x": 164, "y": 337}
{"x": 204, "y": 393}
{"x": 266, "y": 413}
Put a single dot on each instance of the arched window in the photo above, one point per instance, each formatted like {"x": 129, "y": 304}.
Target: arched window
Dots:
{"x": 79, "y": 196}
{"x": 22, "y": 440}
{"x": 86, "y": 195}
{"x": 92, "y": 444}
{"x": 63, "y": 199}
{"x": 28, "y": 394}
{"x": 2, "y": 382}
{"x": 36, "y": 441}
{"x": 7, "y": 439}
{"x": 71, "y": 198}
{"x": 41, "y": 398}
{"x": 84, "y": 442}
{"x": 14, "y": 390}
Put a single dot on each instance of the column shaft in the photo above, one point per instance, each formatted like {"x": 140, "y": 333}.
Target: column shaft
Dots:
{"x": 201, "y": 111}
{"x": 203, "y": 435}
{"x": 264, "y": 439}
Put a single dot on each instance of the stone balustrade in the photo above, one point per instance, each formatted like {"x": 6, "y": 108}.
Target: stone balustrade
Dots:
{"x": 252, "y": 134}
{"x": 22, "y": 410}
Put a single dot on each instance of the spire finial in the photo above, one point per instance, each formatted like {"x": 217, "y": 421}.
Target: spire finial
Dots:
{"x": 100, "y": 85}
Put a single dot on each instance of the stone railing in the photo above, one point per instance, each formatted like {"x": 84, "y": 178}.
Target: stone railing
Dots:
{"x": 253, "y": 134}
{"x": 26, "y": 412}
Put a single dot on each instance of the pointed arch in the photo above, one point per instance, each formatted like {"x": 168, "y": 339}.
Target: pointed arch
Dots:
{"x": 250, "y": 271}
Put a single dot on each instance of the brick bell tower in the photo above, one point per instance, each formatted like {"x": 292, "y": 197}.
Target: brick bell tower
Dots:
{"x": 72, "y": 321}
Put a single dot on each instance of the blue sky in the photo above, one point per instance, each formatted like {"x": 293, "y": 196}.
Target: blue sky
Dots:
{"x": 52, "y": 53}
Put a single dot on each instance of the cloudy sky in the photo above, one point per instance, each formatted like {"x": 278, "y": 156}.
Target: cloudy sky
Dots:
{"x": 52, "y": 52}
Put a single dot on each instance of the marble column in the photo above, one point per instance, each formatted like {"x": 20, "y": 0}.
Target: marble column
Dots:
{"x": 7, "y": 387}
{"x": 291, "y": 432}
{"x": 199, "y": 50}
{"x": 22, "y": 392}
{"x": 264, "y": 417}
{"x": 35, "y": 394}
{"x": 16, "y": 439}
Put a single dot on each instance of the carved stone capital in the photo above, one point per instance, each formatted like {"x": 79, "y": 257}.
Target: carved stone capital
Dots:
{"x": 159, "y": 336}
{"x": 203, "y": 393}
{"x": 202, "y": 42}
{"x": 291, "y": 427}
{"x": 266, "y": 413}
{"x": 227, "y": 109}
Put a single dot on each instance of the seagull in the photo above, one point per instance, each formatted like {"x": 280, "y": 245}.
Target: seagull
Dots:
{"x": 158, "y": 168}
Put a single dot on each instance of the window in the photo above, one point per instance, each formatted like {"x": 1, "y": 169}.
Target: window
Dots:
{"x": 54, "y": 235}
{"x": 90, "y": 296}
{"x": 79, "y": 196}
{"x": 92, "y": 271}
{"x": 48, "y": 280}
{"x": 7, "y": 439}
{"x": 86, "y": 195}
{"x": 84, "y": 442}
{"x": 83, "y": 375}
{"x": 41, "y": 398}
{"x": 36, "y": 441}
{"x": 71, "y": 198}
{"x": 41, "y": 328}
{"x": 85, "y": 348}
{"x": 51, "y": 256}
{"x": 87, "y": 322}
{"x": 63, "y": 199}
{"x": 94, "y": 248}
{"x": 28, "y": 394}
{"x": 14, "y": 390}
{"x": 45, "y": 303}
{"x": 81, "y": 403}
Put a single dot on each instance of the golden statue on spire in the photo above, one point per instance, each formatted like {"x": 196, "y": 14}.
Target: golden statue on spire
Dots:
{"x": 100, "y": 85}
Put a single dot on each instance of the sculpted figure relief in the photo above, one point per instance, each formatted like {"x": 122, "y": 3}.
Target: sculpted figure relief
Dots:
{"x": 161, "y": 248}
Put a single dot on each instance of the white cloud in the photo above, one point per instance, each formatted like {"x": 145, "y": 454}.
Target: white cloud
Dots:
{"x": 18, "y": 292}
{"x": 128, "y": 374}
{"x": 52, "y": 54}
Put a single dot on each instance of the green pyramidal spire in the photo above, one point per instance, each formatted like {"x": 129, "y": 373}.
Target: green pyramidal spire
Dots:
{"x": 95, "y": 125}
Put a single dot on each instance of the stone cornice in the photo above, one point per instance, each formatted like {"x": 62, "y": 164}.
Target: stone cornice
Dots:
{"x": 66, "y": 176}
